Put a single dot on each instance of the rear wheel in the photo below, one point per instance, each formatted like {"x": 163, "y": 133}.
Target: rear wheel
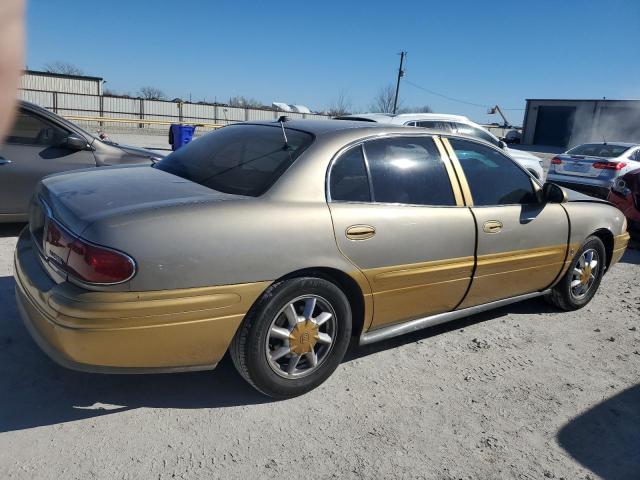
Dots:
{"x": 294, "y": 337}
{"x": 581, "y": 281}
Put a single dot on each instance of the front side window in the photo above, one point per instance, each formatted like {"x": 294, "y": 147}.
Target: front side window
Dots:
{"x": 464, "y": 129}
{"x": 238, "y": 159}
{"x": 408, "y": 170}
{"x": 348, "y": 181}
{"x": 494, "y": 179}
{"x": 30, "y": 129}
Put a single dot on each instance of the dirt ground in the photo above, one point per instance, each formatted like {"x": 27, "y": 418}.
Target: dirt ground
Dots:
{"x": 523, "y": 392}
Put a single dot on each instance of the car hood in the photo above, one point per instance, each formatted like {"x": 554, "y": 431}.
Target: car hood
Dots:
{"x": 573, "y": 196}
{"x": 143, "y": 152}
{"x": 522, "y": 155}
{"x": 82, "y": 197}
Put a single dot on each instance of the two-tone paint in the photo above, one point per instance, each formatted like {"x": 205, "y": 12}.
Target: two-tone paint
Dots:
{"x": 204, "y": 257}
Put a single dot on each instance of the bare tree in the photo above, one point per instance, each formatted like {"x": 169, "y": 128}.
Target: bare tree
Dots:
{"x": 244, "y": 102}
{"x": 341, "y": 105}
{"x": 62, "y": 67}
{"x": 151, "y": 93}
{"x": 383, "y": 101}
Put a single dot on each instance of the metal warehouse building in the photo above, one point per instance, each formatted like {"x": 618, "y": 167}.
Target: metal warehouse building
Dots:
{"x": 57, "y": 82}
{"x": 564, "y": 123}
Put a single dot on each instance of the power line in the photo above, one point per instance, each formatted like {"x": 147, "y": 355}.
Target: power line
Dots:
{"x": 480, "y": 105}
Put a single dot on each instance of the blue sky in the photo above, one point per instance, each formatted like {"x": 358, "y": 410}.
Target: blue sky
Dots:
{"x": 308, "y": 52}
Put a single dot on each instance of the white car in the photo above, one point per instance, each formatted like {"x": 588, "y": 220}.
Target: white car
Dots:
{"x": 456, "y": 124}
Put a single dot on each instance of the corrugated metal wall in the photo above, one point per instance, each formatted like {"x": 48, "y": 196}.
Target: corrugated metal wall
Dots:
{"x": 56, "y": 83}
{"x": 83, "y": 105}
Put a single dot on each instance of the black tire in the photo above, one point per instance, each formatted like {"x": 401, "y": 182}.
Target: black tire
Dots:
{"x": 562, "y": 296}
{"x": 249, "y": 348}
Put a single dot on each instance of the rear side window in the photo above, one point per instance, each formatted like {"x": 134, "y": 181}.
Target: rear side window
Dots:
{"x": 493, "y": 178}
{"x": 238, "y": 159}
{"x": 30, "y": 129}
{"x": 435, "y": 125}
{"x": 348, "y": 181}
{"x": 408, "y": 170}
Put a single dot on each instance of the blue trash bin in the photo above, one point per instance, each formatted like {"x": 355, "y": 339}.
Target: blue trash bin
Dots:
{"x": 180, "y": 135}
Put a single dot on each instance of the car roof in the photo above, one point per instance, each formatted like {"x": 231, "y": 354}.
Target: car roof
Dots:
{"x": 615, "y": 144}
{"x": 403, "y": 117}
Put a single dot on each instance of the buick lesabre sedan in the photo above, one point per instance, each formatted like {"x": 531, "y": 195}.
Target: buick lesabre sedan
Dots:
{"x": 280, "y": 241}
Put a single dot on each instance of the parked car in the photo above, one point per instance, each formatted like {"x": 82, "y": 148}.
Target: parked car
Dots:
{"x": 278, "y": 241}
{"x": 594, "y": 167}
{"x": 454, "y": 124}
{"x": 41, "y": 143}
{"x": 513, "y": 136}
{"x": 625, "y": 194}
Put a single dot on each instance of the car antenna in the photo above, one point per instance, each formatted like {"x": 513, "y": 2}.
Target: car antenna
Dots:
{"x": 283, "y": 119}
{"x": 604, "y": 140}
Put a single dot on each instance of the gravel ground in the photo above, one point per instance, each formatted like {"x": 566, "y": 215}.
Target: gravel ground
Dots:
{"x": 522, "y": 392}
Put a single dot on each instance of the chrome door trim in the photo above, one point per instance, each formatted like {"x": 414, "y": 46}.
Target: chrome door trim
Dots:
{"x": 432, "y": 320}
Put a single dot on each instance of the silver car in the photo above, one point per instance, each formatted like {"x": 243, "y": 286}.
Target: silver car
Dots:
{"x": 594, "y": 167}
{"x": 279, "y": 241}
{"x": 41, "y": 143}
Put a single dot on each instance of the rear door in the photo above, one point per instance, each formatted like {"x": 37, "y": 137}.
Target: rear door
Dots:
{"x": 522, "y": 243}
{"x": 31, "y": 151}
{"x": 400, "y": 220}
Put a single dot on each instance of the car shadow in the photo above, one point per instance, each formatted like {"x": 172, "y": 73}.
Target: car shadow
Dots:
{"x": 632, "y": 255}
{"x": 11, "y": 229}
{"x": 606, "y": 438}
{"x": 37, "y": 392}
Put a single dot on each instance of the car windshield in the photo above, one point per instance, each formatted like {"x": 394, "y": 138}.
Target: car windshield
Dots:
{"x": 238, "y": 159}
{"x": 599, "y": 150}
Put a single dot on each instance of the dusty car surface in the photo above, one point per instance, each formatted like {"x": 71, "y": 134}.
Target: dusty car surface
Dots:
{"x": 279, "y": 241}
{"x": 593, "y": 168}
{"x": 42, "y": 143}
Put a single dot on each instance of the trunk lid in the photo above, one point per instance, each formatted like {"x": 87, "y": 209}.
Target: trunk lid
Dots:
{"x": 583, "y": 166}
{"x": 80, "y": 198}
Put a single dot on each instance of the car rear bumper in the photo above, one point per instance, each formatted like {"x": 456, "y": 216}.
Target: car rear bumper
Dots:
{"x": 128, "y": 332}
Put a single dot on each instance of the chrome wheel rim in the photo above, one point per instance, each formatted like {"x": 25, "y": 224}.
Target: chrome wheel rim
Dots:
{"x": 585, "y": 273}
{"x": 301, "y": 336}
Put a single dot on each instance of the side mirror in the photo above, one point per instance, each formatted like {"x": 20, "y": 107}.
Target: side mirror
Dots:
{"x": 502, "y": 144}
{"x": 76, "y": 142}
{"x": 552, "y": 193}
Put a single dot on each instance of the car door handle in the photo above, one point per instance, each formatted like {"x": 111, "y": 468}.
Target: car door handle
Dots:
{"x": 492, "y": 226}
{"x": 4, "y": 161}
{"x": 360, "y": 232}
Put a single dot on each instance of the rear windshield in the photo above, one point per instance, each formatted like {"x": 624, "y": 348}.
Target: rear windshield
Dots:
{"x": 598, "y": 150}
{"x": 238, "y": 159}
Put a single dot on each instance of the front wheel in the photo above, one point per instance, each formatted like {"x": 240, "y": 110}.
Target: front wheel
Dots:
{"x": 581, "y": 281}
{"x": 294, "y": 337}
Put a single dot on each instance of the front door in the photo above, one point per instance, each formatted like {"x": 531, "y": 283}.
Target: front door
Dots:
{"x": 522, "y": 243}
{"x": 33, "y": 150}
{"x": 400, "y": 221}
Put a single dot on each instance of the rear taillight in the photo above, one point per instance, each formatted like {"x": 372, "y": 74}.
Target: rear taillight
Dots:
{"x": 85, "y": 261}
{"x": 609, "y": 165}
{"x": 556, "y": 161}
{"x": 94, "y": 264}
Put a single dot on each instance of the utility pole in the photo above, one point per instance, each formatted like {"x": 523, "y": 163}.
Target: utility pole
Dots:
{"x": 400, "y": 75}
